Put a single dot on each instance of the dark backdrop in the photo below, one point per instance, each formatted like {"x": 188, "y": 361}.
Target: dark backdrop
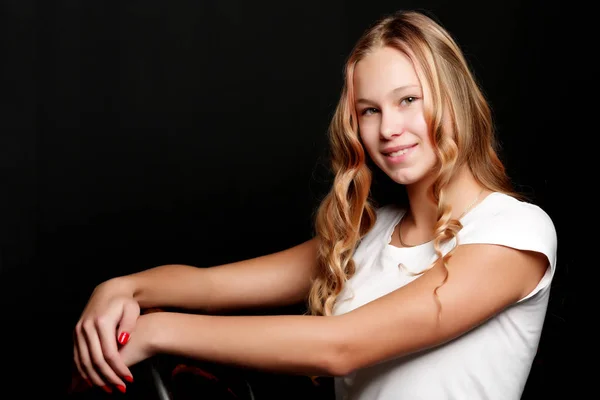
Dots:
{"x": 140, "y": 133}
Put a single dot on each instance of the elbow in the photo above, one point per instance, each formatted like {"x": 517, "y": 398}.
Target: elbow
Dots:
{"x": 341, "y": 360}
{"x": 339, "y": 369}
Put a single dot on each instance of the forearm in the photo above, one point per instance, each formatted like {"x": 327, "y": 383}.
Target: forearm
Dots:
{"x": 307, "y": 345}
{"x": 179, "y": 286}
{"x": 273, "y": 280}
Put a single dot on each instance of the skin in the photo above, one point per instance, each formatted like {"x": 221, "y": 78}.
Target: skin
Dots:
{"x": 389, "y": 104}
{"x": 312, "y": 345}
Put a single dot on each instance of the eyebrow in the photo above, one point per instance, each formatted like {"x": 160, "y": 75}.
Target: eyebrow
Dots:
{"x": 398, "y": 89}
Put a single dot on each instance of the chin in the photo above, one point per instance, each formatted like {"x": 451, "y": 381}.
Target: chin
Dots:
{"x": 405, "y": 180}
{"x": 406, "y": 176}
{"x": 401, "y": 178}
{"x": 409, "y": 175}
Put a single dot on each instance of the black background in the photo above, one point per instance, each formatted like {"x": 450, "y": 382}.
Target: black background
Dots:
{"x": 140, "y": 133}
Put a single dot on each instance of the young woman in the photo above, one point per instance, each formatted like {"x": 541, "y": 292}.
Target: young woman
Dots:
{"x": 442, "y": 297}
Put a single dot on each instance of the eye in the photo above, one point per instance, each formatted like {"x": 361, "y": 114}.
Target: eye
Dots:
{"x": 408, "y": 100}
{"x": 368, "y": 111}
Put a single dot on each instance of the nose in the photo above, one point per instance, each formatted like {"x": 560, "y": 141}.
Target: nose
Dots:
{"x": 391, "y": 125}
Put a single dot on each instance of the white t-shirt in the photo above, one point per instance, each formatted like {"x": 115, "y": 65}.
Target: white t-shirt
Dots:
{"x": 491, "y": 361}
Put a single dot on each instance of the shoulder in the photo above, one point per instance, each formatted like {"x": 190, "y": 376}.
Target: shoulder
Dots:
{"x": 503, "y": 219}
{"x": 519, "y": 212}
{"x": 389, "y": 211}
{"x": 386, "y": 217}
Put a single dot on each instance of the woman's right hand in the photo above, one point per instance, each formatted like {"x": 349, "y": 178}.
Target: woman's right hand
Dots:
{"x": 107, "y": 321}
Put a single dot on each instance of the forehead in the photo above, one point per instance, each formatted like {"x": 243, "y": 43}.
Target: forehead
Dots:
{"x": 383, "y": 70}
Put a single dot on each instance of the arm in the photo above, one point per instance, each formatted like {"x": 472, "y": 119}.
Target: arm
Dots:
{"x": 113, "y": 309}
{"x": 277, "y": 279}
{"x": 474, "y": 292}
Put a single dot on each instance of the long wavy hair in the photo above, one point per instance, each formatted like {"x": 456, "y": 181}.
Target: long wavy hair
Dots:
{"x": 460, "y": 124}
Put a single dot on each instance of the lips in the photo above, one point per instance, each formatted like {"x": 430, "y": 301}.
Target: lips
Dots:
{"x": 395, "y": 149}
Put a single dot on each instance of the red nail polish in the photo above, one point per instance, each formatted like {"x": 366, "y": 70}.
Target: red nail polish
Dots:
{"x": 128, "y": 378}
{"x": 107, "y": 389}
{"x": 123, "y": 337}
{"x": 121, "y": 388}
{"x": 89, "y": 382}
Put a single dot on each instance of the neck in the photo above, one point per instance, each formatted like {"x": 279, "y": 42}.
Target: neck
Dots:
{"x": 460, "y": 193}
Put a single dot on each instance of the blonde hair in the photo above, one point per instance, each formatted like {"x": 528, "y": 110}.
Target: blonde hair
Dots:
{"x": 460, "y": 123}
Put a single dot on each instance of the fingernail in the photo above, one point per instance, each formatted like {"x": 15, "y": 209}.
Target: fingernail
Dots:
{"x": 128, "y": 378}
{"x": 123, "y": 337}
{"x": 121, "y": 388}
{"x": 107, "y": 389}
{"x": 89, "y": 382}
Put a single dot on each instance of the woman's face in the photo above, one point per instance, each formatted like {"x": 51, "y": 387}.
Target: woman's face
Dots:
{"x": 389, "y": 105}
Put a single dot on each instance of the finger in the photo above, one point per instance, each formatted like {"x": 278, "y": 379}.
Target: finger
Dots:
{"x": 98, "y": 357}
{"x": 111, "y": 351}
{"x": 77, "y": 362}
{"x": 85, "y": 361}
{"x": 79, "y": 367}
{"x": 131, "y": 312}
{"x": 78, "y": 382}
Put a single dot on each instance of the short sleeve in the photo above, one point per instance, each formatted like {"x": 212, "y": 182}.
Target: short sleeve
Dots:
{"x": 519, "y": 225}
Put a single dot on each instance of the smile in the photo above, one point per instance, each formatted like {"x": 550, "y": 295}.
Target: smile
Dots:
{"x": 400, "y": 154}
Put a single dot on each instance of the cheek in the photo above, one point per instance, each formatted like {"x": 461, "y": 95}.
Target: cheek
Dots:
{"x": 369, "y": 139}
{"x": 418, "y": 126}
{"x": 365, "y": 133}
